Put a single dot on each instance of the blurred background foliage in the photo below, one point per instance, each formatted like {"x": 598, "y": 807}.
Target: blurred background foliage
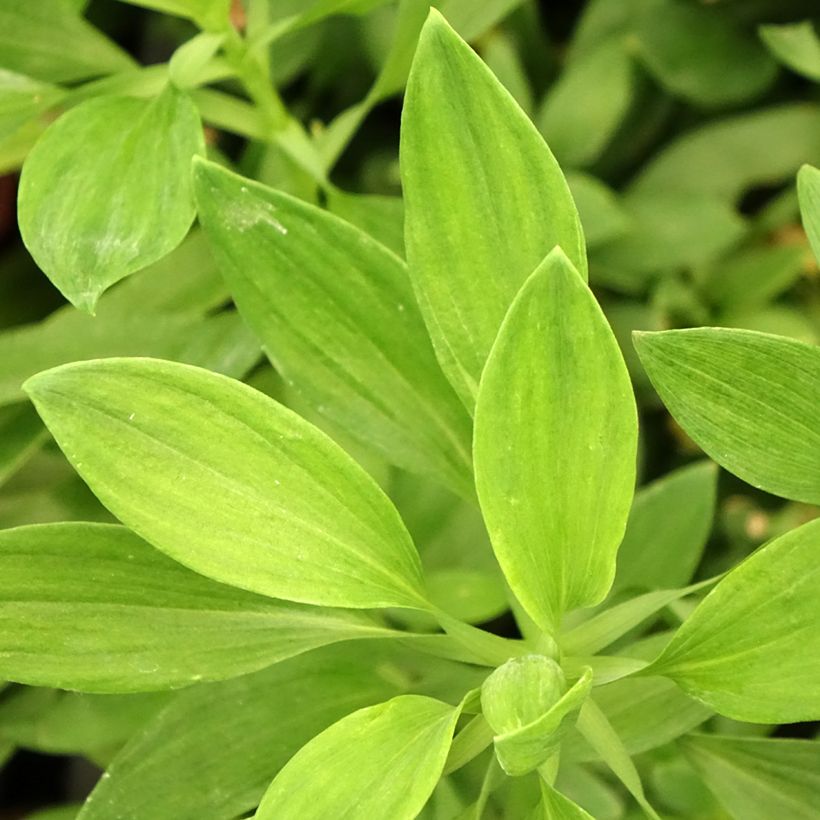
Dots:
{"x": 680, "y": 126}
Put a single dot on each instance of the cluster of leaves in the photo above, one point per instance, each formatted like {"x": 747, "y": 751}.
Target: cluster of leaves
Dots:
{"x": 286, "y": 618}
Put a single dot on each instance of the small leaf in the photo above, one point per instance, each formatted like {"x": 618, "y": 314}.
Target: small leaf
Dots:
{"x": 485, "y": 201}
{"x": 380, "y": 763}
{"x": 229, "y": 482}
{"x": 93, "y": 607}
{"x": 808, "y": 189}
{"x": 207, "y": 13}
{"x": 213, "y": 750}
{"x": 751, "y": 649}
{"x": 750, "y": 400}
{"x": 667, "y": 529}
{"x": 759, "y": 778}
{"x": 796, "y": 45}
{"x": 337, "y": 316}
{"x": 555, "y": 493}
{"x": 556, "y": 806}
{"x": 106, "y": 190}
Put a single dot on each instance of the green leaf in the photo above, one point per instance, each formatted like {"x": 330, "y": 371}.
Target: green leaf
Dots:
{"x": 380, "y": 763}
{"x": 556, "y": 519}
{"x": 380, "y": 216}
{"x": 759, "y": 778}
{"x": 106, "y": 190}
{"x": 556, "y": 806}
{"x": 751, "y": 649}
{"x": 22, "y": 98}
{"x": 750, "y": 400}
{"x": 214, "y": 749}
{"x": 585, "y": 107}
{"x": 485, "y": 201}
{"x": 702, "y": 55}
{"x": 220, "y": 343}
{"x": 796, "y": 45}
{"x": 667, "y": 529}
{"x": 602, "y": 214}
{"x": 726, "y": 157}
{"x": 209, "y": 14}
{"x": 808, "y": 189}
{"x": 34, "y": 38}
{"x": 21, "y": 434}
{"x": 337, "y": 317}
{"x": 229, "y": 482}
{"x": 93, "y": 607}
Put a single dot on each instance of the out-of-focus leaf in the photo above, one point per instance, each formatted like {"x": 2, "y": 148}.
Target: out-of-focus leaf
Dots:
{"x": 808, "y": 188}
{"x": 107, "y": 190}
{"x": 230, "y": 483}
{"x": 556, "y": 806}
{"x": 215, "y": 748}
{"x": 759, "y": 778}
{"x": 702, "y": 55}
{"x": 667, "y": 529}
{"x": 504, "y": 60}
{"x": 21, "y": 433}
{"x": 337, "y": 316}
{"x": 750, "y": 400}
{"x": 602, "y": 215}
{"x": 751, "y": 649}
{"x": 380, "y": 216}
{"x": 206, "y": 13}
{"x": 380, "y": 763}
{"x": 34, "y": 39}
{"x": 584, "y": 108}
{"x": 94, "y": 608}
{"x": 22, "y": 98}
{"x": 485, "y": 201}
{"x": 796, "y": 45}
{"x": 555, "y": 494}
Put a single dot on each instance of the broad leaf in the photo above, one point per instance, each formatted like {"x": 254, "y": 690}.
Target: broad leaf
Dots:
{"x": 808, "y": 189}
{"x": 35, "y": 38}
{"x": 485, "y": 201}
{"x": 215, "y": 748}
{"x": 751, "y": 649}
{"x": 555, "y": 493}
{"x": 93, "y": 607}
{"x": 667, "y": 529}
{"x": 107, "y": 190}
{"x": 380, "y": 763}
{"x": 796, "y": 45}
{"x": 759, "y": 778}
{"x": 750, "y": 400}
{"x": 229, "y": 482}
{"x": 337, "y": 316}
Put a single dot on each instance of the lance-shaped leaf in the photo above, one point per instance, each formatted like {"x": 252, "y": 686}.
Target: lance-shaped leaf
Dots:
{"x": 107, "y": 190}
{"x": 21, "y": 435}
{"x": 485, "y": 201}
{"x": 93, "y": 607}
{"x": 337, "y": 316}
{"x": 759, "y": 778}
{"x": 556, "y": 806}
{"x": 555, "y": 492}
{"x": 229, "y": 482}
{"x": 667, "y": 529}
{"x": 530, "y": 709}
{"x": 214, "y": 749}
{"x": 380, "y": 763}
{"x": 751, "y": 649}
{"x": 808, "y": 190}
{"x": 750, "y": 400}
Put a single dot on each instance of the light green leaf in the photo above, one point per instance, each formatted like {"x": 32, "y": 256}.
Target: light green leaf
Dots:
{"x": 759, "y": 778}
{"x": 702, "y": 55}
{"x": 67, "y": 812}
{"x": 583, "y": 110}
{"x": 667, "y": 529}
{"x": 556, "y": 519}
{"x": 106, "y": 190}
{"x": 796, "y": 45}
{"x": 229, "y": 482}
{"x": 21, "y": 434}
{"x": 220, "y": 343}
{"x": 214, "y": 749}
{"x": 808, "y": 189}
{"x": 380, "y": 216}
{"x": 751, "y": 649}
{"x": 380, "y": 763}
{"x": 750, "y": 400}
{"x": 726, "y": 157}
{"x": 336, "y": 314}
{"x": 602, "y": 215}
{"x": 209, "y": 14}
{"x": 22, "y": 98}
{"x": 93, "y": 607}
{"x": 34, "y": 39}
{"x": 485, "y": 201}
{"x": 556, "y": 806}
